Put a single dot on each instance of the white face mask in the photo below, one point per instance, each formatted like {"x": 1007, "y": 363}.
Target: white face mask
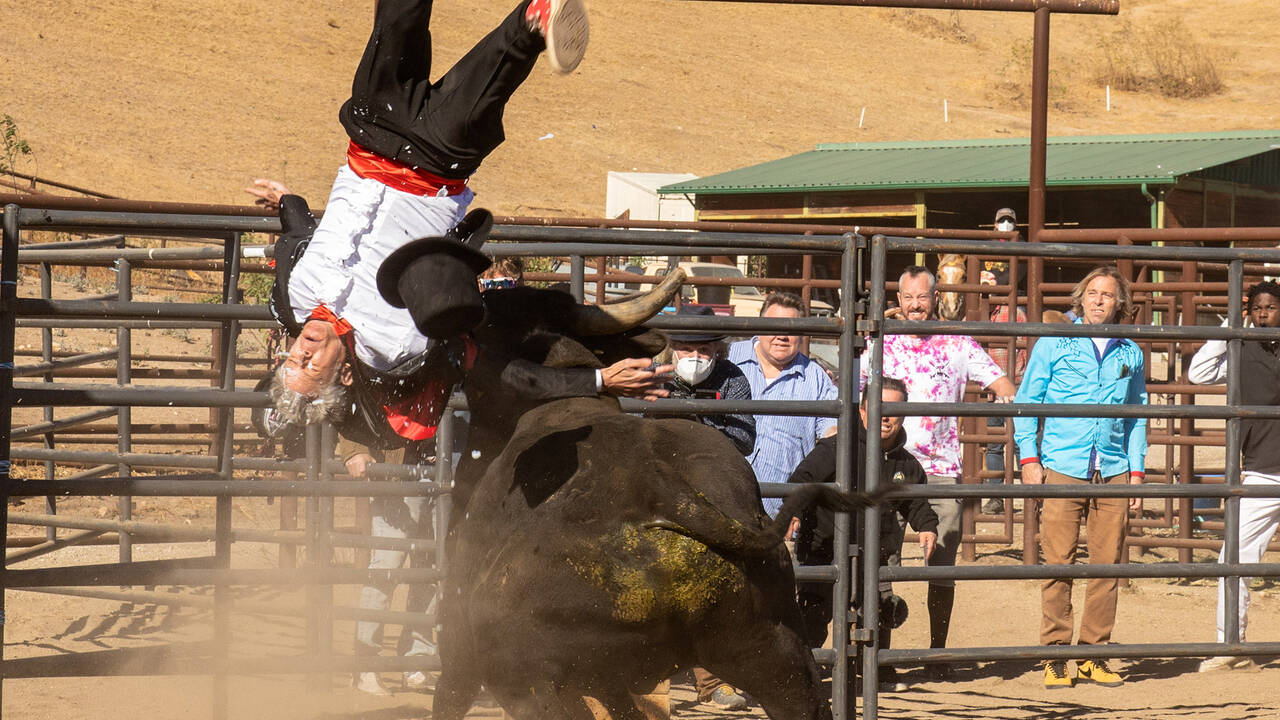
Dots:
{"x": 693, "y": 369}
{"x": 1005, "y": 225}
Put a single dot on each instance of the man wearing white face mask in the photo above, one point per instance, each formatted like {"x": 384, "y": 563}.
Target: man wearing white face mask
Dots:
{"x": 702, "y": 372}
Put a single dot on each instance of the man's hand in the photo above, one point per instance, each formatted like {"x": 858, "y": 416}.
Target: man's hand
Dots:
{"x": 1135, "y": 504}
{"x": 358, "y": 465}
{"x": 636, "y": 378}
{"x": 268, "y": 193}
{"x": 1032, "y": 474}
{"x": 792, "y": 528}
{"x": 928, "y": 541}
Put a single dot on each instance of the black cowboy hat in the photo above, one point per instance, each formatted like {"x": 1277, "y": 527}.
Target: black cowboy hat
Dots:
{"x": 695, "y": 336}
{"x": 435, "y": 277}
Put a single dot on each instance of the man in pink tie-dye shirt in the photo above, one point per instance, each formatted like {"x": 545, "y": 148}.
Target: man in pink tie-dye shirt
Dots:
{"x": 935, "y": 368}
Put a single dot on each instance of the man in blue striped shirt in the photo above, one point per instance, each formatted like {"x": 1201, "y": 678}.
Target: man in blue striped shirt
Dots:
{"x": 777, "y": 370}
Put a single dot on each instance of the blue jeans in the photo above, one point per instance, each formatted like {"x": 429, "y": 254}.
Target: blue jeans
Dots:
{"x": 995, "y": 451}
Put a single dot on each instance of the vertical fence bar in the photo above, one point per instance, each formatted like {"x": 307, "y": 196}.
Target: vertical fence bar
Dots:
{"x": 871, "y": 515}
{"x": 806, "y": 294}
{"x": 1036, "y": 197}
{"x": 46, "y": 354}
{"x": 442, "y": 502}
{"x": 1187, "y": 426}
{"x": 225, "y": 435}
{"x": 315, "y": 680}
{"x": 847, "y": 388}
{"x": 8, "y": 326}
{"x": 124, "y": 414}
{"x": 577, "y": 277}
{"x": 324, "y": 556}
{"x": 602, "y": 267}
{"x": 1231, "y": 508}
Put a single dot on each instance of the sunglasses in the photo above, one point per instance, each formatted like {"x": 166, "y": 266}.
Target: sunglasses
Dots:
{"x": 498, "y": 283}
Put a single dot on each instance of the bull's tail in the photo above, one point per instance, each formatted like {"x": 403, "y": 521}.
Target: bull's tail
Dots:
{"x": 708, "y": 525}
{"x": 826, "y": 496}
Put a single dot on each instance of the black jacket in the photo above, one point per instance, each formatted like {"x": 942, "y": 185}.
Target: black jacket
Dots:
{"x": 1260, "y": 369}
{"x": 726, "y": 382}
{"x": 814, "y": 542}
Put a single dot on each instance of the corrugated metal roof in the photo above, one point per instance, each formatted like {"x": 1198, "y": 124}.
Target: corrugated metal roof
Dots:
{"x": 1085, "y": 160}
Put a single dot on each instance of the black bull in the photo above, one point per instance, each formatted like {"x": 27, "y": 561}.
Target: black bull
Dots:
{"x": 597, "y": 552}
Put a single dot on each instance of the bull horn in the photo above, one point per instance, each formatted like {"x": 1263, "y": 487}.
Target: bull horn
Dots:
{"x": 590, "y": 320}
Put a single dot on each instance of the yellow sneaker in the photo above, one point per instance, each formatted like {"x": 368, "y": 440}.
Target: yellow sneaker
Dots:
{"x": 1055, "y": 675}
{"x": 1096, "y": 671}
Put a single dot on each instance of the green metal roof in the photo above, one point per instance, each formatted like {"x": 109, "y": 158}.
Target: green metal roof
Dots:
{"x": 994, "y": 163}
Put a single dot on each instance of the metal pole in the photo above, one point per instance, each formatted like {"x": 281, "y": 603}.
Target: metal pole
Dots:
{"x": 577, "y": 275}
{"x": 871, "y": 515}
{"x": 1187, "y": 426}
{"x": 1231, "y": 508}
{"x": 225, "y": 417}
{"x": 315, "y": 682}
{"x": 324, "y": 628}
{"x": 8, "y": 291}
{"x": 442, "y": 504}
{"x": 1035, "y": 224}
{"x": 124, "y": 413}
{"x": 46, "y": 354}
{"x": 1092, "y": 7}
{"x": 847, "y": 387}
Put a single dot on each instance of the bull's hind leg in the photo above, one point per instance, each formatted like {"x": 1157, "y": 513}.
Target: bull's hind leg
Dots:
{"x": 776, "y": 668}
{"x": 455, "y": 692}
{"x": 544, "y": 701}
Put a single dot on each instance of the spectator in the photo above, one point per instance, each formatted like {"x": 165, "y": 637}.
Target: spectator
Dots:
{"x": 935, "y": 368}
{"x": 815, "y": 540}
{"x": 1079, "y": 451}
{"x": 505, "y": 272}
{"x": 1260, "y": 385}
{"x": 996, "y": 272}
{"x": 702, "y": 372}
{"x": 777, "y": 370}
{"x": 413, "y": 145}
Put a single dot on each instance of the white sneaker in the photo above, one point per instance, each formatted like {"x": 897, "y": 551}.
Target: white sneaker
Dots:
{"x": 1227, "y": 662}
{"x": 415, "y": 680}
{"x": 368, "y": 682}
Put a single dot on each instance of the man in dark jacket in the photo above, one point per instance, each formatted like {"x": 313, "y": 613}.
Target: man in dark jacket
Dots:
{"x": 702, "y": 371}
{"x": 815, "y": 539}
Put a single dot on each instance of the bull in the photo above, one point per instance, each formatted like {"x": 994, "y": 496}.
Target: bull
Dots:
{"x": 594, "y": 552}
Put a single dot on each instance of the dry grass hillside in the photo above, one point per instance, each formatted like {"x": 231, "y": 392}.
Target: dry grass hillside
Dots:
{"x": 188, "y": 101}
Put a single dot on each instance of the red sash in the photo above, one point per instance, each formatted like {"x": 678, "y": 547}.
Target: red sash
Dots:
{"x": 416, "y": 418}
{"x": 397, "y": 175}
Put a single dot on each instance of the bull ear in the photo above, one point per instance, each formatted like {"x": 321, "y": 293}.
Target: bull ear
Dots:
{"x": 568, "y": 353}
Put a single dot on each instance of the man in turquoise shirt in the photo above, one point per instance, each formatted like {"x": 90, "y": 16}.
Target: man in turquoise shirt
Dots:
{"x": 1084, "y": 450}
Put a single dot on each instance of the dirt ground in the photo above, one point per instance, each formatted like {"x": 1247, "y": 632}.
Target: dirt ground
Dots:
{"x": 987, "y": 613}
{"x": 190, "y": 101}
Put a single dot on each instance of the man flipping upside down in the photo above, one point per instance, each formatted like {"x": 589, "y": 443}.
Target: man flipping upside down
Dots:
{"x": 413, "y": 145}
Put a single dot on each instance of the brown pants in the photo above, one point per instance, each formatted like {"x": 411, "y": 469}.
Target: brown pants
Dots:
{"x": 1059, "y": 534}
{"x": 706, "y": 683}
